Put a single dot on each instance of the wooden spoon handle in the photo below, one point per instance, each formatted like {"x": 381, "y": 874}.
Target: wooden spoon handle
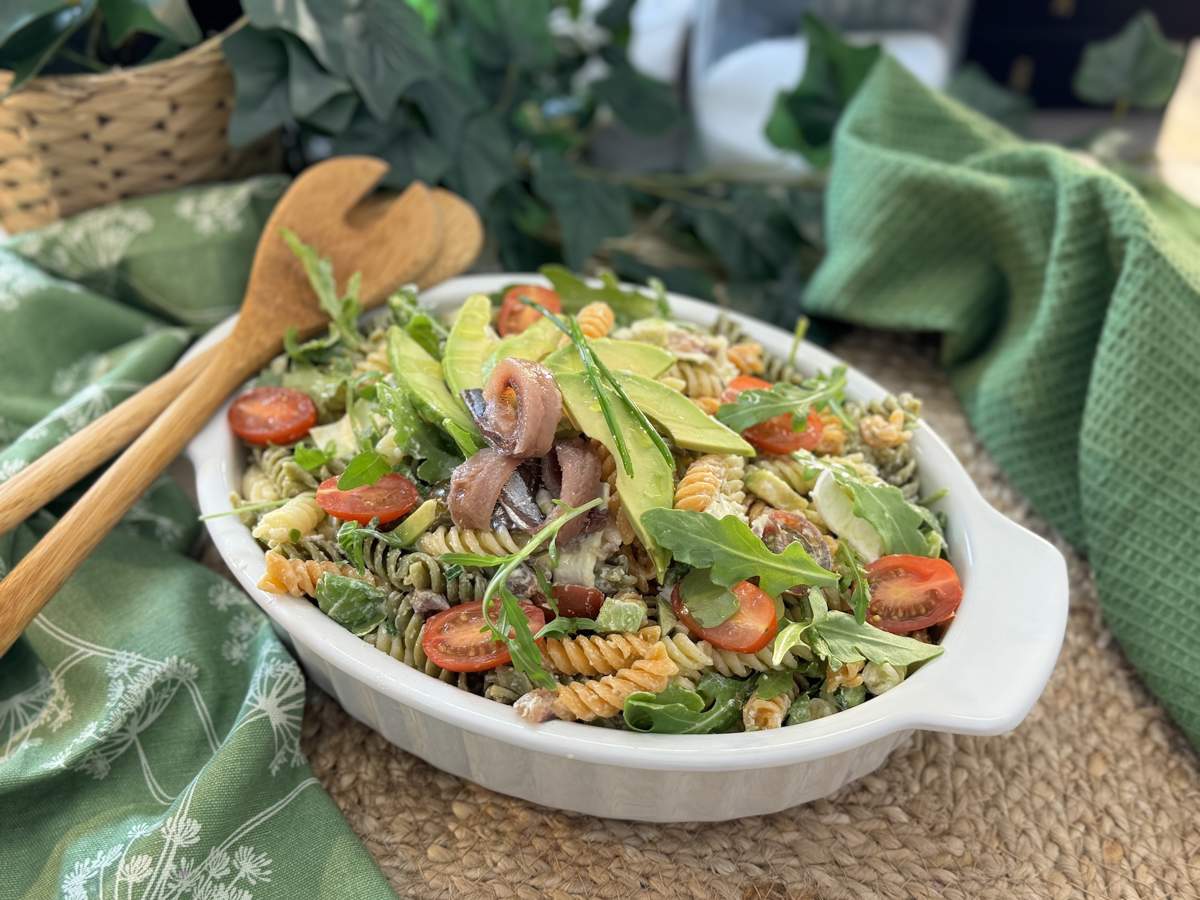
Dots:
{"x": 53, "y": 472}
{"x": 37, "y": 577}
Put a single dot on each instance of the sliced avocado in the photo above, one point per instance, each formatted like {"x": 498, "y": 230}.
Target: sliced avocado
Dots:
{"x": 652, "y": 483}
{"x": 687, "y": 424}
{"x": 535, "y": 342}
{"x": 468, "y": 344}
{"x": 620, "y": 356}
{"x": 339, "y": 433}
{"x": 419, "y": 521}
{"x": 421, "y": 377}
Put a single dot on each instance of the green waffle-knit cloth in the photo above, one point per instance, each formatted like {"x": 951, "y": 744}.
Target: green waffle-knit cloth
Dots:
{"x": 1069, "y": 305}
{"x": 149, "y": 716}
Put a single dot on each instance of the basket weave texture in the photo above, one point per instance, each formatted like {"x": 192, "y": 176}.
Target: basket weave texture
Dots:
{"x": 72, "y": 142}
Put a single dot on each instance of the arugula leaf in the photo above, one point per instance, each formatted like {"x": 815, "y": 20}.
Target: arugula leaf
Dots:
{"x": 621, "y": 615}
{"x": 351, "y": 535}
{"x": 628, "y": 305}
{"x": 526, "y": 656}
{"x": 414, "y": 436}
{"x": 884, "y": 506}
{"x": 803, "y": 118}
{"x": 771, "y": 684}
{"x": 709, "y": 604}
{"x": 856, "y": 577}
{"x": 311, "y": 458}
{"x": 798, "y": 334}
{"x": 343, "y": 312}
{"x": 366, "y": 468}
{"x": 355, "y": 605}
{"x": 714, "y": 706}
{"x": 565, "y": 626}
{"x": 1137, "y": 67}
{"x": 837, "y": 638}
{"x": 733, "y": 551}
{"x": 753, "y": 407}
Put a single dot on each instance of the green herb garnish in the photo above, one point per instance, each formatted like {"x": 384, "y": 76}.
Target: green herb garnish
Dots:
{"x": 526, "y": 657}
{"x": 366, "y": 468}
{"x": 856, "y": 581}
{"x": 312, "y": 458}
{"x": 732, "y": 551}
{"x": 771, "y": 684}
{"x": 709, "y": 604}
{"x": 343, "y": 312}
{"x": 594, "y": 370}
{"x": 244, "y": 508}
{"x": 797, "y": 339}
{"x": 713, "y": 706}
{"x": 356, "y": 605}
{"x": 755, "y": 406}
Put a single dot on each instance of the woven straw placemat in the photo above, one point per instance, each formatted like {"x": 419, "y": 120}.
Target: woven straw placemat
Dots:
{"x": 1095, "y": 795}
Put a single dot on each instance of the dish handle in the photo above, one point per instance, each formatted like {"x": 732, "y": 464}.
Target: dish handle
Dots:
{"x": 1002, "y": 647}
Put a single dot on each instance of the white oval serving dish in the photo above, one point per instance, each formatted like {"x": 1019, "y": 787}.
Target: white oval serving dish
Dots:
{"x": 998, "y": 656}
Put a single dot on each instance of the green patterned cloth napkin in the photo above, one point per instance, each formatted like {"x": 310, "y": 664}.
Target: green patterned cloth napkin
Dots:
{"x": 1069, "y": 304}
{"x": 149, "y": 718}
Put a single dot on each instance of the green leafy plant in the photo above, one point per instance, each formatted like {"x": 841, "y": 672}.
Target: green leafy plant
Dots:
{"x": 351, "y": 602}
{"x": 69, "y": 36}
{"x": 1136, "y": 67}
{"x": 713, "y": 706}
{"x": 803, "y": 118}
{"x": 732, "y": 552}
{"x": 488, "y": 99}
{"x": 752, "y": 407}
{"x": 837, "y": 639}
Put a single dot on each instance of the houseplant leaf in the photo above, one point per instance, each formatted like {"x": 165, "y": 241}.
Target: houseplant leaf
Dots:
{"x": 170, "y": 19}
{"x": 1137, "y": 67}
{"x": 804, "y": 117}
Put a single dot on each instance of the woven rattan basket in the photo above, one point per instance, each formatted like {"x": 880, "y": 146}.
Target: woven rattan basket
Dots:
{"x": 71, "y": 142}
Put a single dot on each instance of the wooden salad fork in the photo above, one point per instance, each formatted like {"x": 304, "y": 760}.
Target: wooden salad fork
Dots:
{"x": 380, "y": 240}
{"x": 411, "y": 224}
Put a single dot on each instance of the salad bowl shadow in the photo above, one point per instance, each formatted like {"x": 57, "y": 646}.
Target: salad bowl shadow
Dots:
{"x": 999, "y": 654}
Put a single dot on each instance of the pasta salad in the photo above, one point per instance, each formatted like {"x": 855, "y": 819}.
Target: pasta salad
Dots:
{"x": 564, "y": 499}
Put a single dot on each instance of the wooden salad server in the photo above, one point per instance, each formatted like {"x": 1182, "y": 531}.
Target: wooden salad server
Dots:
{"x": 320, "y": 207}
{"x": 405, "y": 223}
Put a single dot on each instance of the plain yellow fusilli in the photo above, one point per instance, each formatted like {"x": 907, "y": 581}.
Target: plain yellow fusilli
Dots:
{"x": 452, "y": 539}
{"x": 695, "y": 379}
{"x": 595, "y": 654}
{"x": 376, "y": 359}
{"x": 257, "y": 487}
{"x": 690, "y": 657}
{"x": 595, "y": 320}
{"x": 602, "y": 698}
{"x": 296, "y": 518}
{"x": 299, "y": 577}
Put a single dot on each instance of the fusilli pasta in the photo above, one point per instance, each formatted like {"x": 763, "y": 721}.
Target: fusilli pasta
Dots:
{"x": 747, "y": 356}
{"x": 759, "y": 714}
{"x": 287, "y": 524}
{"x": 601, "y": 698}
{"x": 590, "y": 655}
{"x": 299, "y": 577}
{"x": 713, "y": 484}
{"x": 452, "y": 539}
{"x": 595, "y": 320}
{"x": 424, "y": 572}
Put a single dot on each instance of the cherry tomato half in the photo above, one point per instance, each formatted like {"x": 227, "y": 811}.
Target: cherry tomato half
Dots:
{"x": 775, "y": 435}
{"x": 748, "y": 630}
{"x": 455, "y": 638}
{"x": 909, "y": 593}
{"x": 576, "y": 600}
{"x": 515, "y": 316}
{"x": 389, "y": 498}
{"x": 272, "y": 415}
